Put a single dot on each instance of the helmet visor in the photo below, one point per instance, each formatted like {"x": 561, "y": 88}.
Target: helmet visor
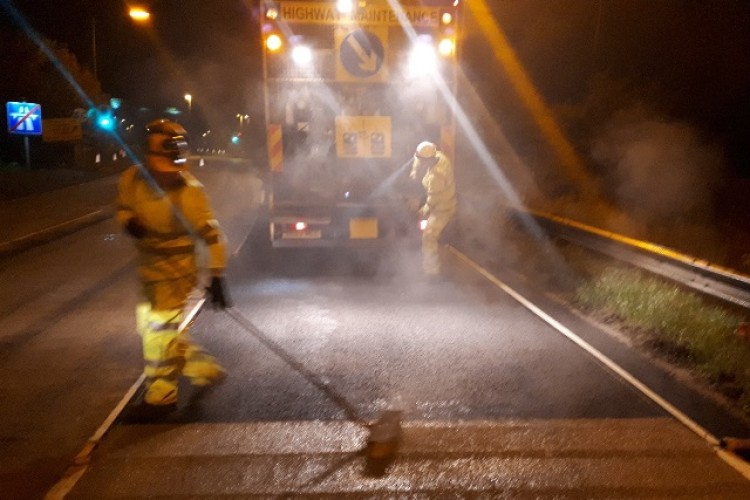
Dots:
{"x": 177, "y": 148}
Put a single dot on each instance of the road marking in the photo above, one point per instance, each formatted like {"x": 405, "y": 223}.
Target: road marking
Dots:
{"x": 733, "y": 460}
{"x": 530, "y": 458}
{"x": 82, "y": 460}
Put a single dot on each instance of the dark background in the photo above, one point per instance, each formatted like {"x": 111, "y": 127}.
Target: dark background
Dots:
{"x": 206, "y": 49}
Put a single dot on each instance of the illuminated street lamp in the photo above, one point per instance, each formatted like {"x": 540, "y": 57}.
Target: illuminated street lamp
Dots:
{"x": 189, "y": 100}
{"x": 139, "y": 14}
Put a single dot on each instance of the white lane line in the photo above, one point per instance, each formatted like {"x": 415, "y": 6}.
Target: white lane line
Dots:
{"x": 737, "y": 463}
{"x": 82, "y": 460}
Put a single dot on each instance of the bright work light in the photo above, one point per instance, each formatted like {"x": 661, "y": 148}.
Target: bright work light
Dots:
{"x": 345, "y": 6}
{"x": 273, "y": 42}
{"x": 422, "y": 60}
{"x": 302, "y": 55}
{"x": 446, "y": 47}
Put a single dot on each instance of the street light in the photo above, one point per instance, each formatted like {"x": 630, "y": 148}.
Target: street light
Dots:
{"x": 139, "y": 14}
{"x": 189, "y": 100}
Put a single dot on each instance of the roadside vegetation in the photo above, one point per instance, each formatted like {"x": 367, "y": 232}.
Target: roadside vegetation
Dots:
{"x": 686, "y": 328}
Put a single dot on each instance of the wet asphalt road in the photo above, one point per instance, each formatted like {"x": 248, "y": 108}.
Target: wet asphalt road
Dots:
{"x": 315, "y": 342}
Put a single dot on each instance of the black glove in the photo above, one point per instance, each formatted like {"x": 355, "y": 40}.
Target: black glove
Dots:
{"x": 135, "y": 228}
{"x": 217, "y": 294}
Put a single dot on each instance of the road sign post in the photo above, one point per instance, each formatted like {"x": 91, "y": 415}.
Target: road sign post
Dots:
{"x": 24, "y": 118}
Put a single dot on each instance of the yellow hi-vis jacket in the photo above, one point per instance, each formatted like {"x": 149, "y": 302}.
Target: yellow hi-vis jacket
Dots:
{"x": 167, "y": 251}
{"x": 440, "y": 186}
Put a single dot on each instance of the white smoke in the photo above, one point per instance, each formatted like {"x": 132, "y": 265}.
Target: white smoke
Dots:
{"x": 658, "y": 170}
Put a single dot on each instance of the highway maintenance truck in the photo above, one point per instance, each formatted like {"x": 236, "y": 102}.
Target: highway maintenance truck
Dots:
{"x": 351, "y": 87}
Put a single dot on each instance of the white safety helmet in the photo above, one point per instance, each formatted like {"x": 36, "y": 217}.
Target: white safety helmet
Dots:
{"x": 426, "y": 150}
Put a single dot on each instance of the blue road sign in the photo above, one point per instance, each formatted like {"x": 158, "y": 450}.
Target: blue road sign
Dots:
{"x": 362, "y": 53}
{"x": 24, "y": 118}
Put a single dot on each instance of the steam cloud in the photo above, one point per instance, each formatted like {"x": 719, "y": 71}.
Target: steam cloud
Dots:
{"x": 658, "y": 170}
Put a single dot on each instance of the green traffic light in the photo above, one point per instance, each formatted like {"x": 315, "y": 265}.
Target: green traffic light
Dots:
{"x": 102, "y": 118}
{"x": 235, "y": 139}
{"x": 105, "y": 123}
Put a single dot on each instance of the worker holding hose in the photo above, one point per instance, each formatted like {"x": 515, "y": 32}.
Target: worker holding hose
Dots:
{"x": 166, "y": 211}
{"x": 440, "y": 205}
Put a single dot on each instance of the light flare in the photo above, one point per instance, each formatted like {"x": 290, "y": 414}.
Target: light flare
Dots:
{"x": 273, "y": 42}
{"x": 542, "y": 115}
{"x": 446, "y": 47}
{"x": 345, "y": 6}
{"x": 422, "y": 59}
{"x": 139, "y": 14}
{"x": 302, "y": 55}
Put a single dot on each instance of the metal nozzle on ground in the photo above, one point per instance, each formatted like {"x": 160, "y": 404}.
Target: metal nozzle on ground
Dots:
{"x": 385, "y": 435}
{"x": 382, "y": 443}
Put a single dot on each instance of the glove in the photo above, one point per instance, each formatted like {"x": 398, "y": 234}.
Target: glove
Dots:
{"x": 135, "y": 228}
{"x": 217, "y": 294}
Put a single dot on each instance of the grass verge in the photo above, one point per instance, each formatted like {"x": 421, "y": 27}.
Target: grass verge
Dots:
{"x": 679, "y": 324}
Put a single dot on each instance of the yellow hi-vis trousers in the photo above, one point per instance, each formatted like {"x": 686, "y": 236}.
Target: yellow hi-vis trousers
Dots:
{"x": 167, "y": 351}
{"x": 436, "y": 222}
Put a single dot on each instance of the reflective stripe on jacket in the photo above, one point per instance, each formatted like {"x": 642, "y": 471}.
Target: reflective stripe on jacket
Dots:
{"x": 168, "y": 249}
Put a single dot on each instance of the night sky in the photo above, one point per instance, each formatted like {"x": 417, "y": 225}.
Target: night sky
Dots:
{"x": 686, "y": 60}
{"x": 205, "y": 48}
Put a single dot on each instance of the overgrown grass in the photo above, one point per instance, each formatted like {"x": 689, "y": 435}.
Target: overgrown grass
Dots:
{"x": 677, "y": 321}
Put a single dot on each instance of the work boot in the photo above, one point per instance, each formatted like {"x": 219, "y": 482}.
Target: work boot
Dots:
{"x": 207, "y": 374}
{"x": 201, "y": 368}
{"x": 213, "y": 377}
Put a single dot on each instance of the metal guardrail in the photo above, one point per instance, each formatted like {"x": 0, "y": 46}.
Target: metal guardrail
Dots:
{"x": 693, "y": 272}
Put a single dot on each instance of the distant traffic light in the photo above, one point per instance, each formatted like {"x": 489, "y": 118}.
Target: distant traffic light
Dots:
{"x": 102, "y": 118}
{"x": 236, "y": 138}
{"x": 105, "y": 122}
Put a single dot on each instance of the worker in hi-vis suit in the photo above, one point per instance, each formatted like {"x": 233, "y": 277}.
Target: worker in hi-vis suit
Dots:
{"x": 440, "y": 205}
{"x": 166, "y": 223}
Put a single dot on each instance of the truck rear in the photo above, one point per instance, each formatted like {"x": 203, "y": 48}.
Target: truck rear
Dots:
{"x": 351, "y": 87}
